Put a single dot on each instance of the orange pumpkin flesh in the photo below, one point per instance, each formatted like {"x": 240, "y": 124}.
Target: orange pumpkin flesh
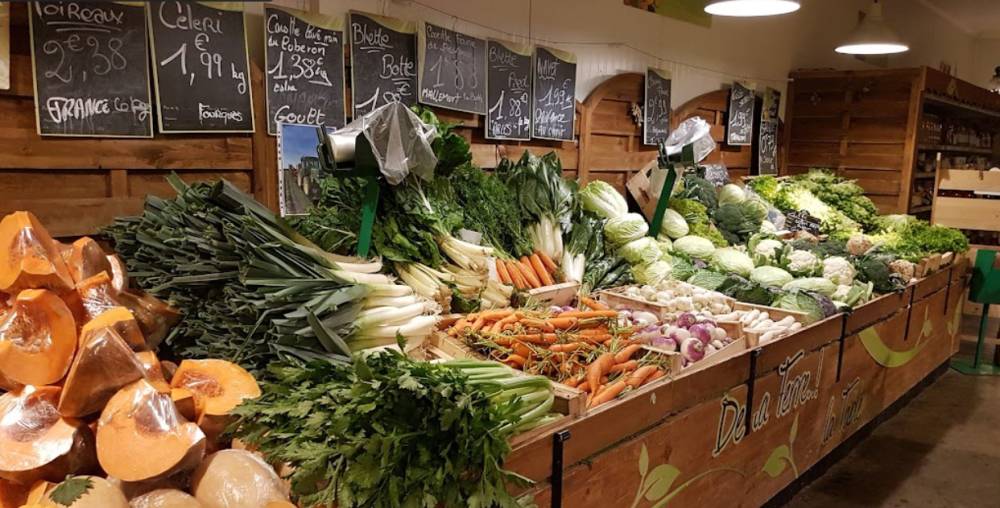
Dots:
{"x": 97, "y": 295}
{"x": 103, "y": 365}
{"x": 119, "y": 273}
{"x": 37, "y": 339}
{"x": 155, "y": 317}
{"x": 38, "y": 491}
{"x": 141, "y": 436}
{"x": 153, "y": 371}
{"x": 218, "y": 387}
{"x": 29, "y": 257}
{"x": 37, "y": 443}
{"x": 12, "y": 495}
{"x": 187, "y": 403}
{"x": 122, "y": 322}
{"x": 85, "y": 258}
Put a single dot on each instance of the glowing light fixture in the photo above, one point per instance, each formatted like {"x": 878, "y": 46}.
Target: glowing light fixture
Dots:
{"x": 751, "y": 8}
{"x": 873, "y": 36}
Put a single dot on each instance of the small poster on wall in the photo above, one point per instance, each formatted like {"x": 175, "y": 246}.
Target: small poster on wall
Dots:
{"x": 508, "y": 80}
{"x": 656, "y": 107}
{"x": 299, "y": 169}
{"x": 739, "y": 130}
{"x": 4, "y": 46}
{"x": 767, "y": 145}
{"x": 553, "y": 115}
{"x": 452, "y": 69}
{"x": 383, "y": 62}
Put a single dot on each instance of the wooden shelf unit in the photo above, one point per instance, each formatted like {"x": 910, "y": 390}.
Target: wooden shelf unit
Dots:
{"x": 866, "y": 125}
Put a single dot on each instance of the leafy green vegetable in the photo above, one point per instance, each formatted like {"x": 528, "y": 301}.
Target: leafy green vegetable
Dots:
{"x": 731, "y": 193}
{"x": 738, "y": 221}
{"x": 390, "y": 431}
{"x": 70, "y": 490}
{"x": 625, "y": 228}
{"x": 490, "y": 207}
{"x": 643, "y": 250}
{"x": 692, "y": 211}
{"x": 680, "y": 268}
{"x": 913, "y": 239}
{"x": 732, "y": 260}
{"x": 747, "y": 291}
{"x": 710, "y": 232}
{"x": 700, "y": 190}
{"x": 651, "y": 273}
{"x": 600, "y": 198}
{"x": 694, "y": 247}
{"x": 335, "y": 221}
{"x": 765, "y": 186}
{"x": 802, "y": 302}
{"x": 770, "y": 276}
{"x": 674, "y": 225}
{"x": 815, "y": 284}
{"x": 707, "y": 279}
{"x": 541, "y": 190}
{"x": 874, "y": 267}
{"x": 843, "y": 194}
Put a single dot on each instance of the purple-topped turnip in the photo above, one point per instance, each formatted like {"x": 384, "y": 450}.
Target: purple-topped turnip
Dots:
{"x": 693, "y": 349}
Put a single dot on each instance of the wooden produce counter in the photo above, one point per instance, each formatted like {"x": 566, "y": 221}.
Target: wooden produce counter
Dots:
{"x": 691, "y": 441}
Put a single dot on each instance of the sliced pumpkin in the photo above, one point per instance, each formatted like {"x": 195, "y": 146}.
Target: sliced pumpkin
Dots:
{"x": 37, "y": 339}
{"x": 38, "y": 491}
{"x": 155, "y": 316}
{"x": 119, "y": 273}
{"x": 12, "y": 495}
{"x": 121, "y": 321}
{"x": 153, "y": 370}
{"x": 103, "y": 365}
{"x": 29, "y": 257}
{"x": 139, "y": 419}
{"x": 187, "y": 403}
{"x": 38, "y": 444}
{"x": 236, "y": 479}
{"x": 85, "y": 258}
{"x": 101, "y": 494}
{"x": 218, "y": 387}
{"x": 166, "y": 498}
{"x": 97, "y": 295}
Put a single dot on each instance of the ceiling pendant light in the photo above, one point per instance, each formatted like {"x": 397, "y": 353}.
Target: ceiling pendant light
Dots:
{"x": 751, "y": 8}
{"x": 872, "y": 36}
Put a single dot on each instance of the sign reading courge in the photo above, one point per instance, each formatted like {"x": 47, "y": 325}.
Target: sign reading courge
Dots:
{"x": 452, "y": 69}
{"x": 508, "y": 91}
{"x": 304, "y": 59}
{"x": 383, "y": 62}
{"x": 739, "y": 131}
{"x": 554, "y": 100}
{"x": 656, "y": 113}
{"x": 201, "y": 67}
{"x": 90, "y": 69}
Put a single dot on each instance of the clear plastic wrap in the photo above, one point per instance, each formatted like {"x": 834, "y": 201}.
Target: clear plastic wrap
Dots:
{"x": 103, "y": 493}
{"x": 236, "y": 479}
{"x": 30, "y": 257}
{"x": 693, "y": 130}
{"x": 37, "y": 339}
{"x": 103, "y": 365}
{"x": 166, "y": 498}
{"x": 139, "y": 417}
{"x": 36, "y": 442}
{"x": 85, "y": 258}
{"x": 400, "y": 141}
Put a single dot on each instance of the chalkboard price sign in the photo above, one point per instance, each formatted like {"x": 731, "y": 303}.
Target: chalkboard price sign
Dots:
{"x": 201, "y": 68}
{"x": 90, "y": 69}
{"x": 767, "y": 145}
{"x": 383, "y": 62}
{"x": 740, "y": 127}
{"x": 656, "y": 113}
{"x": 453, "y": 70}
{"x": 305, "y": 68}
{"x": 508, "y": 91}
{"x": 554, "y": 100}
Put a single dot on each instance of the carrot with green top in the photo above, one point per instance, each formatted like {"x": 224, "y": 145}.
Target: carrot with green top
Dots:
{"x": 538, "y": 323}
{"x": 613, "y": 390}
{"x": 584, "y": 314}
{"x": 547, "y": 261}
{"x": 502, "y": 272}
{"x": 515, "y": 360}
{"x": 593, "y": 304}
{"x": 638, "y": 377}
{"x": 654, "y": 376}
{"x": 599, "y": 368}
{"x": 535, "y": 338}
{"x": 566, "y": 348}
{"x": 624, "y": 367}
{"x": 543, "y": 274}
{"x": 626, "y": 353}
{"x": 529, "y": 273}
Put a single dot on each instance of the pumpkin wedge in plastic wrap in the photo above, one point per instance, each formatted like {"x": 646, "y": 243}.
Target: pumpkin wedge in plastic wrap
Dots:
{"x": 141, "y": 436}
{"x": 166, "y": 498}
{"x": 218, "y": 387}
{"x": 122, "y": 321}
{"x": 119, "y": 272}
{"x": 85, "y": 259}
{"x": 103, "y": 365}
{"x": 236, "y": 479}
{"x": 12, "y": 495}
{"x": 155, "y": 316}
{"x": 153, "y": 371}
{"x": 37, "y": 339}
{"x": 38, "y": 491}
{"x": 97, "y": 295}
{"x": 100, "y": 493}
{"x": 29, "y": 257}
{"x": 36, "y": 442}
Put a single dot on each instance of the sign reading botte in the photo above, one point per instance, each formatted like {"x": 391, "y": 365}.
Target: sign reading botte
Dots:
{"x": 383, "y": 62}
{"x": 554, "y": 102}
{"x": 304, "y": 57}
{"x": 90, "y": 69}
{"x": 452, "y": 69}
{"x": 201, "y": 67}
{"x": 508, "y": 84}
{"x": 739, "y": 131}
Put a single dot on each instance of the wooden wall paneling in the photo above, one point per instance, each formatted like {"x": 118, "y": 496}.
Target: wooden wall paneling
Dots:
{"x": 910, "y": 149}
{"x": 713, "y": 107}
{"x": 611, "y": 146}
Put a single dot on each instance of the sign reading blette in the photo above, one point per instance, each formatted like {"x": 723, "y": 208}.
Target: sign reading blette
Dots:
{"x": 383, "y": 62}
{"x": 656, "y": 113}
{"x": 767, "y": 145}
{"x": 452, "y": 70}
{"x": 508, "y": 79}
{"x": 90, "y": 69}
{"x": 554, "y": 100}
{"x": 304, "y": 59}
{"x": 201, "y": 68}
{"x": 740, "y": 128}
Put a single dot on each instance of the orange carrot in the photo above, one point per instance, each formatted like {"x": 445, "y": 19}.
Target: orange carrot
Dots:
{"x": 536, "y": 338}
{"x": 529, "y": 273}
{"x": 583, "y": 387}
{"x": 478, "y": 323}
{"x": 624, "y": 367}
{"x": 502, "y": 272}
{"x": 493, "y": 315}
{"x": 566, "y": 348}
{"x": 516, "y": 360}
{"x": 538, "y": 323}
{"x": 601, "y": 330}
{"x": 654, "y": 376}
{"x": 603, "y": 338}
{"x": 637, "y": 378}
{"x": 544, "y": 275}
{"x": 458, "y": 327}
{"x": 593, "y": 304}
{"x": 573, "y": 382}
{"x": 547, "y": 261}
{"x": 509, "y": 320}
{"x": 562, "y": 323}
{"x": 626, "y": 353}
{"x": 609, "y": 393}
{"x": 582, "y": 314}
{"x": 521, "y": 349}
{"x": 597, "y": 369}
{"x": 514, "y": 269}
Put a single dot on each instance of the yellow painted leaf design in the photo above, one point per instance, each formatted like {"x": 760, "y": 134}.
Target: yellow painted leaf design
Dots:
{"x": 928, "y": 328}
{"x": 795, "y": 429}
{"x": 881, "y": 353}
{"x": 659, "y": 481}
{"x": 956, "y": 317}
{"x": 643, "y": 461}
{"x": 775, "y": 464}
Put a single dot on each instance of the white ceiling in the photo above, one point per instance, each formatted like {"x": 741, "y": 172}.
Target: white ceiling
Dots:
{"x": 979, "y": 18}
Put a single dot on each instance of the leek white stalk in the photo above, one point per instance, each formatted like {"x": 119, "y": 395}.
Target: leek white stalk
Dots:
{"x": 389, "y": 290}
{"x": 362, "y": 278}
{"x": 391, "y": 316}
{"x": 390, "y": 301}
{"x": 419, "y": 326}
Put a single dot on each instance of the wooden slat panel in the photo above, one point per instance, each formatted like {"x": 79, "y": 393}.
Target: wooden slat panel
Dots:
{"x": 967, "y": 213}
{"x": 143, "y": 183}
{"x": 23, "y": 184}
{"x": 488, "y": 155}
{"x": 970, "y": 180}
{"x": 887, "y": 204}
{"x": 74, "y": 217}
{"x": 606, "y": 160}
{"x": 616, "y": 179}
{"x": 876, "y": 129}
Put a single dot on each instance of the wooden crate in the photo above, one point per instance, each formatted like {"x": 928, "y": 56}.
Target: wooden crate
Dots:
{"x": 563, "y": 293}
{"x": 616, "y": 299}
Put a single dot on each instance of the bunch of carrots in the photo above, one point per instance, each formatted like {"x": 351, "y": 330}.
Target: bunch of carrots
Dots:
{"x": 583, "y": 348}
{"x": 530, "y": 272}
